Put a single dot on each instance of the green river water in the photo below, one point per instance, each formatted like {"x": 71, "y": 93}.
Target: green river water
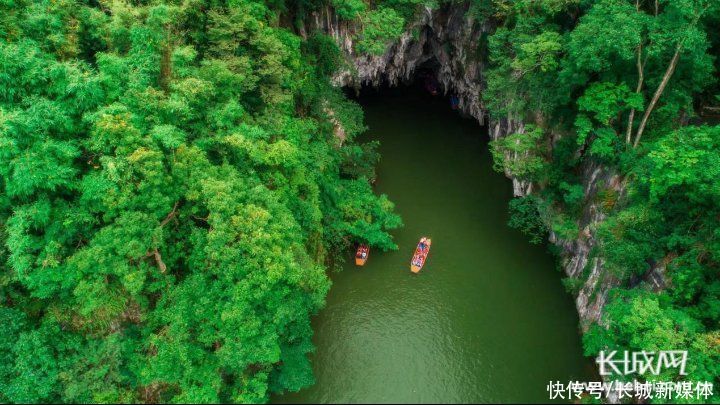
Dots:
{"x": 486, "y": 320}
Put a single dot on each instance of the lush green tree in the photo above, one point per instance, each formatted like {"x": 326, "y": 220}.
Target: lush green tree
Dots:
{"x": 379, "y": 27}
{"x": 521, "y": 155}
{"x": 525, "y": 215}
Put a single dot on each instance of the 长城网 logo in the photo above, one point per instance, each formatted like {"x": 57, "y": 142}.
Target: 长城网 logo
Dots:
{"x": 641, "y": 363}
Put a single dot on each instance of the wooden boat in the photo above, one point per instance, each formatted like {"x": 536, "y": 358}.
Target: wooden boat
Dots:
{"x": 361, "y": 256}
{"x": 420, "y": 256}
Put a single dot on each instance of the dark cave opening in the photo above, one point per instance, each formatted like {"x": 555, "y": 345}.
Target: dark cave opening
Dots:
{"x": 415, "y": 92}
{"x": 423, "y": 85}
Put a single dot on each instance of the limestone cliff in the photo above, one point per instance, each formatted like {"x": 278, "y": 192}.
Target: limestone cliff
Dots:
{"x": 445, "y": 38}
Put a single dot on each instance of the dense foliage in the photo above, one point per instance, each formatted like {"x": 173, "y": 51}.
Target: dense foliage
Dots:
{"x": 621, "y": 84}
{"x": 173, "y": 189}
{"x": 379, "y": 23}
{"x": 171, "y": 193}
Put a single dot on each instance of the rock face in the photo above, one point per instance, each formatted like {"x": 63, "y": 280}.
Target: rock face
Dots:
{"x": 450, "y": 42}
{"x": 577, "y": 255}
{"x": 577, "y": 258}
{"x": 445, "y": 38}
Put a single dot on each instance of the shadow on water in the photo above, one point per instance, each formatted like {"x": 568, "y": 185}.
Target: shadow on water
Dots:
{"x": 486, "y": 320}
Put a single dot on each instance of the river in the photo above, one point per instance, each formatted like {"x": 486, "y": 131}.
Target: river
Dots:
{"x": 487, "y": 319}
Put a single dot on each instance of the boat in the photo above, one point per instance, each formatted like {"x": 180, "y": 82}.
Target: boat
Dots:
{"x": 420, "y": 256}
{"x": 361, "y": 256}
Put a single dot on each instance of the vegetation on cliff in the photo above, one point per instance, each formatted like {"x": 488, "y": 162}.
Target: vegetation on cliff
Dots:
{"x": 623, "y": 84}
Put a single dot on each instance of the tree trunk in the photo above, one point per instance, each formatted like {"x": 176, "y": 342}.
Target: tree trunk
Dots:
{"x": 638, "y": 89}
{"x": 661, "y": 88}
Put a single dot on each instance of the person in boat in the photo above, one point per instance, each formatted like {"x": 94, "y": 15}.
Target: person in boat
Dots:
{"x": 454, "y": 102}
{"x": 362, "y": 252}
{"x": 431, "y": 85}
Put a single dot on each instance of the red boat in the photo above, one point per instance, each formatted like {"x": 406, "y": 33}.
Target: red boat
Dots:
{"x": 362, "y": 254}
{"x": 420, "y": 256}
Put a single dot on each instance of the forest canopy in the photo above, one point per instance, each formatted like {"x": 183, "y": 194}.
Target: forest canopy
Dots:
{"x": 172, "y": 193}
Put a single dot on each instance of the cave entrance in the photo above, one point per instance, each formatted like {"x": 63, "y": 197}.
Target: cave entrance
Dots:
{"x": 426, "y": 90}
{"x": 426, "y": 76}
